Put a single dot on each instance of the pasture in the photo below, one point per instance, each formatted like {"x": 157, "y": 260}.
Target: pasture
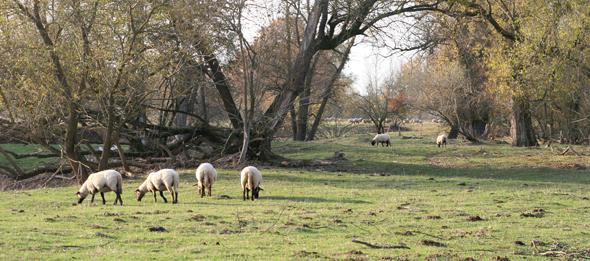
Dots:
{"x": 413, "y": 200}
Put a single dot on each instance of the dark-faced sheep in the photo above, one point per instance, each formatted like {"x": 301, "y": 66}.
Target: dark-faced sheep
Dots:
{"x": 382, "y": 139}
{"x": 441, "y": 140}
{"x": 162, "y": 180}
{"x": 206, "y": 176}
{"x": 103, "y": 181}
{"x": 250, "y": 179}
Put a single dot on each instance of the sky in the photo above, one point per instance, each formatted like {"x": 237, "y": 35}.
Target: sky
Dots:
{"x": 367, "y": 61}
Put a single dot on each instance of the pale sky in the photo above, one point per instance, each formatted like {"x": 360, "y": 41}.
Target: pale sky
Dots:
{"x": 367, "y": 61}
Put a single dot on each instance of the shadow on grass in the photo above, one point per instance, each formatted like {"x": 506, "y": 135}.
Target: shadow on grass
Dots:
{"x": 381, "y": 171}
{"x": 316, "y": 200}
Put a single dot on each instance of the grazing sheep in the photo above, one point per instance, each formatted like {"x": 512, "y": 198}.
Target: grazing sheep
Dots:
{"x": 103, "y": 181}
{"x": 250, "y": 179}
{"x": 381, "y": 138}
{"x": 161, "y": 180}
{"x": 206, "y": 176}
{"x": 441, "y": 140}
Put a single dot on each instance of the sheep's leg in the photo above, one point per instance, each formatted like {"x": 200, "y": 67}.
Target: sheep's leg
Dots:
{"x": 209, "y": 190}
{"x": 176, "y": 194}
{"x": 102, "y": 196}
{"x": 155, "y": 196}
{"x": 162, "y": 195}
{"x": 244, "y": 194}
{"x": 202, "y": 190}
{"x": 172, "y": 193}
{"x": 92, "y": 199}
{"x": 119, "y": 197}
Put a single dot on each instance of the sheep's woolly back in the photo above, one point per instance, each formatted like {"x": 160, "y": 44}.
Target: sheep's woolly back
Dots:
{"x": 164, "y": 178}
{"x": 206, "y": 174}
{"x": 250, "y": 177}
{"x": 381, "y": 137}
{"x": 103, "y": 181}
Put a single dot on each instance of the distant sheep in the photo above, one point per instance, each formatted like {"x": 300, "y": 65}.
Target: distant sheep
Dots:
{"x": 441, "y": 140}
{"x": 250, "y": 179}
{"x": 164, "y": 179}
{"x": 355, "y": 120}
{"x": 206, "y": 176}
{"x": 381, "y": 138}
{"x": 103, "y": 181}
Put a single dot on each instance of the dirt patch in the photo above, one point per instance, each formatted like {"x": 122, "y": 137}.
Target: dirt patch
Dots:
{"x": 433, "y": 217}
{"x": 407, "y": 233}
{"x": 536, "y": 213}
{"x": 428, "y": 242}
{"x": 229, "y": 232}
{"x": 306, "y": 254}
{"x": 519, "y": 243}
{"x": 152, "y": 213}
{"x": 95, "y": 226}
{"x": 475, "y": 218}
{"x": 120, "y": 220}
{"x": 109, "y": 214}
{"x": 575, "y": 166}
{"x": 355, "y": 255}
{"x": 223, "y": 197}
{"x": 499, "y": 258}
{"x": 157, "y": 229}
{"x": 437, "y": 257}
{"x": 197, "y": 217}
{"x": 103, "y": 235}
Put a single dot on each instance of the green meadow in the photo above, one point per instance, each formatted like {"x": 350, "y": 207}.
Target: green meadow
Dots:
{"x": 412, "y": 201}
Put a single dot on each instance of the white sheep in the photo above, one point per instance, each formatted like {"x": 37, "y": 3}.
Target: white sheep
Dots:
{"x": 206, "y": 176}
{"x": 103, "y": 181}
{"x": 250, "y": 179}
{"x": 381, "y": 138}
{"x": 441, "y": 140}
{"x": 161, "y": 180}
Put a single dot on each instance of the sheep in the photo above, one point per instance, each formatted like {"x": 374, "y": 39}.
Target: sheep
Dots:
{"x": 441, "y": 140}
{"x": 206, "y": 176}
{"x": 103, "y": 181}
{"x": 250, "y": 179}
{"x": 381, "y": 138}
{"x": 164, "y": 179}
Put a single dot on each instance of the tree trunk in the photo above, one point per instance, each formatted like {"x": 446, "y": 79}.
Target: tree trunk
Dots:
{"x": 318, "y": 118}
{"x": 328, "y": 92}
{"x": 304, "y": 100}
{"x": 521, "y": 126}
{"x": 276, "y": 113}
{"x": 293, "y": 115}
{"x": 203, "y": 102}
{"x": 454, "y": 132}
{"x": 223, "y": 88}
{"x": 107, "y": 142}
{"x": 70, "y": 142}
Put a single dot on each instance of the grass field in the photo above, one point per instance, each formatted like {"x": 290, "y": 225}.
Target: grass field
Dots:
{"x": 479, "y": 201}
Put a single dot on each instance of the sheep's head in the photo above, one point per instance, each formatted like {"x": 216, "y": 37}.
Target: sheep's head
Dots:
{"x": 373, "y": 142}
{"x": 255, "y": 192}
{"x": 139, "y": 194}
{"x": 81, "y": 196}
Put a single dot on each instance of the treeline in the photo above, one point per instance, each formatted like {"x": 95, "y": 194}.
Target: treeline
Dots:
{"x": 178, "y": 78}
